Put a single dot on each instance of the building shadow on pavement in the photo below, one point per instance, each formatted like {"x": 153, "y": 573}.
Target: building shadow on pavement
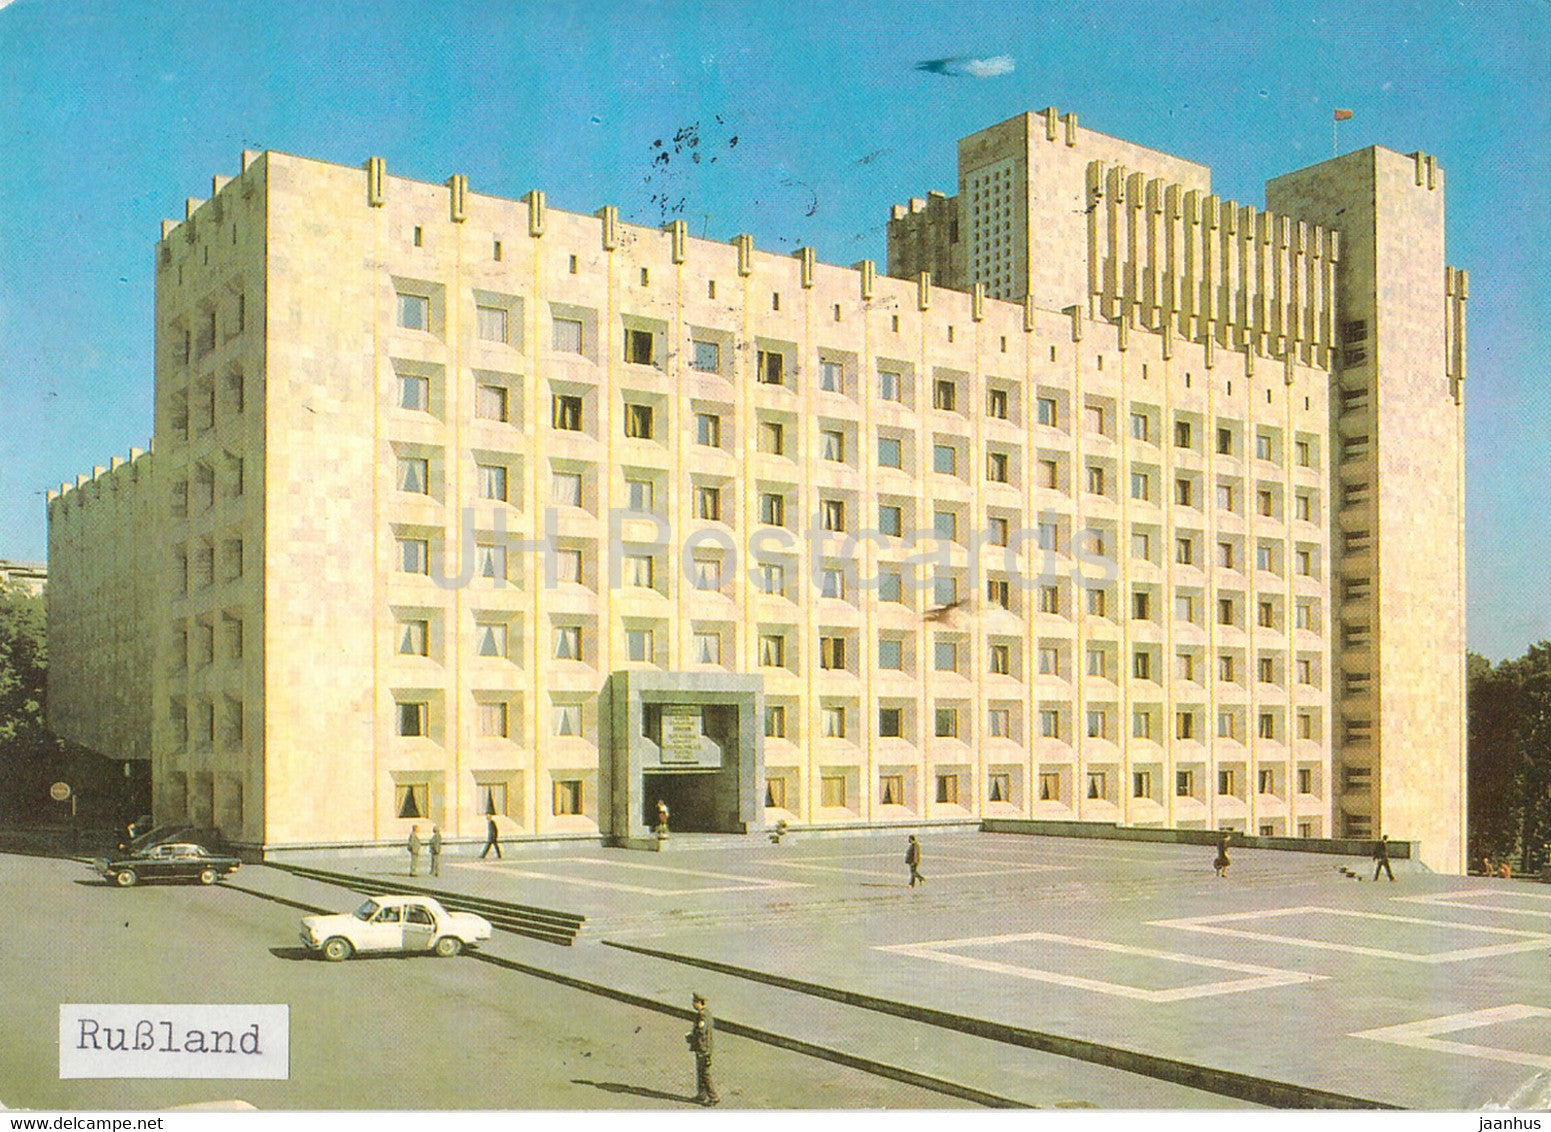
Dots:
{"x": 638, "y": 1091}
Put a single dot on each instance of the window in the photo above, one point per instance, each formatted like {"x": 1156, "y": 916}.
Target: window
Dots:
{"x": 414, "y": 392}
{"x": 999, "y": 592}
{"x": 772, "y": 650}
{"x": 1224, "y": 497}
{"x": 1049, "y": 599}
{"x": 492, "y": 481}
{"x": 1225, "y": 669}
{"x": 831, "y": 376}
{"x": 568, "y": 642}
{"x": 1225, "y": 611}
{"x": 707, "y": 574}
{"x": 708, "y": 430}
{"x": 946, "y": 726}
{"x": 638, "y": 346}
{"x": 1141, "y": 665}
{"x": 1303, "y": 562}
{"x": 1184, "y": 492}
{"x": 891, "y": 654}
{"x": 1184, "y": 783}
{"x": 832, "y": 652}
{"x": 1050, "y": 474}
{"x": 891, "y": 586}
{"x": 1225, "y": 781}
{"x": 1095, "y": 479}
{"x": 996, "y": 467}
{"x": 1305, "y": 725}
{"x": 945, "y": 525}
{"x": 1225, "y": 442}
{"x": 945, "y": 656}
{"x": 567, "y": 412}
{"x": 414, "y": 311}
{"x": 414, "y": 474}
{"x": 638, "y": 421}
{"x": 412, "y": 719}
{"x": 1184, "y": 551}
{"x": 890, "y": 726}
{"x": 567, "y": 335}
{"x": 945, "y": 459}
{"x": 707, "y": 648}
{"x": 1098, "y": 723}
{"x": 1265, "y": 502}
{"x": 708, "y": 503}
{"x": 944, "y": 394}
{"x": 996, "y": 403}
{"x": 1226, "y": 727}
{"x": 1303, "y": 507}
{"x": 1098, "y": 786}
{"x": 568, "y": 566}
{"x": 1266, "y": 615}
{"x": 492, "y": 722}
{"x": 832, "y": 445}
{"x": 770, "y": 368}
{"x": 1046, "y": 408}
{"x": 832, "y": 514}
{"x": 832, "y": 583}
{"x": 491, "y": 403}
{"x": 1184, "y": 725}
{"x": 568, "y": 796}
{"x": 832, "y": 720}
{"x": 1305, "y": 780}
{"x": 889, "y": 452}
{"x": 414, "y": 555}
{"x": 998, "y": 530}
{"x": 1182, "y": 434}
{"x": 566, "y": 719}
{"x": 1095, "y": 418}
{"x": 1098, "y": 603}
{"x": 775, "y": 725}
{"x": 1141, "y": 605}
{"x": 640, "y": 494}
{"x": 1098, "y": 664}
{"x": 1267, "y": 670}
{"x": 891, "y": 386}
{"x": 1050, "y": 723}
{"x": 1184, "y": 607}
{"x": 1140, "y": 485}
{"x": 1049, "y": 786}
{"x": 1140, "y": 426}
{"x": 491, "y": 323}
{"x": 1263, "y": 447}
{"x": 1304, "y": 452}
{"x": 567, "y": 488}
{"x": 639, "y": 571}
{"x": 772, "y": 509}
{"x": 772, "y": 578}
{"x": 891, "y": 520}
{"x": 999, "y": 726}
{"x": 707, "y": 357}
{"x": 1267, "y": 725}
{"x": 411, "y": 800}
{"x": 832, "y": 791}
{"x": 1141, "y": 784}
{"x": 772, "y": 438}
{"x": 1303, "y": 616}
{"x": 490, "y": 638}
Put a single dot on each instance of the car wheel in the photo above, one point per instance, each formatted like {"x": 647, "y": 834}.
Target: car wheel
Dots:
{"x": 209, "y": 876}
{"x": 337, "y": 950}
{"x": 448, "y": 946}
{"x": 126, "y": 878}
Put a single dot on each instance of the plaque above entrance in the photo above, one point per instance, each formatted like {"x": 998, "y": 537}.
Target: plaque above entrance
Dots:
{"x": 684, "y": 741}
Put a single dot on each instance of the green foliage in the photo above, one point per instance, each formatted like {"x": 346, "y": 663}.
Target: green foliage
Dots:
{"x": 1510, "y": 757}
{"x": 23, "y": 666}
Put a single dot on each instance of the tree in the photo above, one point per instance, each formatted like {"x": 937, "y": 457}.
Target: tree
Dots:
{"x": 1510, "y": 757}
{"x": 27, "y": 748}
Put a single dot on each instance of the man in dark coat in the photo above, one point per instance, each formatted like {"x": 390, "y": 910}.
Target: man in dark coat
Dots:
{"x": 436, "y": 851}
{"x": 913, "y": 859}
{"x": 1381, "y": 858}
{"x": 492, "y": 838}
{"x": 700, "y": 1040}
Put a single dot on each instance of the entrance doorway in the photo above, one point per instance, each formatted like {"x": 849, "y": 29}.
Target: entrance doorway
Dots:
{"x": 691, "y": 799}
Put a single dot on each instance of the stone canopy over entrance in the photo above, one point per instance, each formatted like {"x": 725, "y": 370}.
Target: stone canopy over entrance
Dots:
{"x": 692, "y": 740}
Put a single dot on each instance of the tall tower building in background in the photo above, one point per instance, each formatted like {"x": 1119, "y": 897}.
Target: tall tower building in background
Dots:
{"x": 464, "y": 507}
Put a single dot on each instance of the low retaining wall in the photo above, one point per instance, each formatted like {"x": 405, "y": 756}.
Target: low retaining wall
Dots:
{"x": 1109, "y": 831}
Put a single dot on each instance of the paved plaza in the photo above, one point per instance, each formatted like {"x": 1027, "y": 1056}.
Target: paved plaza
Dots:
{"x": 1429, "y": 992}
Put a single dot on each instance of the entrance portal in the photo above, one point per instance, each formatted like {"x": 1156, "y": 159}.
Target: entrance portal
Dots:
{"x": 691, "y": 740}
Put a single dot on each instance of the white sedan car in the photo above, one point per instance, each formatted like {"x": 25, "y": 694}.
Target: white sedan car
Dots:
{"x": 394, "y": 923}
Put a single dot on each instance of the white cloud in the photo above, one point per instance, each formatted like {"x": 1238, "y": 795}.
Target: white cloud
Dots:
{"x": 989, "y": 68}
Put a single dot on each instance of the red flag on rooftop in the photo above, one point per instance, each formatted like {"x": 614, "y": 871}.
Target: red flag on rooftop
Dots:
{"x": 1343, "y": 115}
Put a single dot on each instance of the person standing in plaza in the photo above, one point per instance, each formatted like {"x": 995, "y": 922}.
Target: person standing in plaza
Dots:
{"x": 662, "y": 818}
{"x": 436, "y": 850}
{"x": 492, "y": 838}
{"x": 1221, "y": 863}
{"x": 700, "y": 1039}
{"x": 913, "y": 859}
{"x": 1381, "y": 858}
{"x": 414, "y": 850}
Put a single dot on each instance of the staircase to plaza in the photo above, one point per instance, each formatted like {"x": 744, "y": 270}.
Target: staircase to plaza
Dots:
{"x": 547, "y": 924}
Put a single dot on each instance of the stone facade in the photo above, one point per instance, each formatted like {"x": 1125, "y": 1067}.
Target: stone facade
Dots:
{"x": 441, "y": 466}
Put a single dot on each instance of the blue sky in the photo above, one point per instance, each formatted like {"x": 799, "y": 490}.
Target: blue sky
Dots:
{"x": 111, "y": 113}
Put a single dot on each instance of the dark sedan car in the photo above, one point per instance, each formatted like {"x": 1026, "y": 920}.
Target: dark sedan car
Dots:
{"x": 175, "y": 861}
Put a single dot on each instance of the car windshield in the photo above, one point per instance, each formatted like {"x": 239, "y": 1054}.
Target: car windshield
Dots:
{"x": 366, "y": 911}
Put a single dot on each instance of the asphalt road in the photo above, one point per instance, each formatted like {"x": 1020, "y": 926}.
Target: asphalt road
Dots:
{"x": 375, "y": 1033}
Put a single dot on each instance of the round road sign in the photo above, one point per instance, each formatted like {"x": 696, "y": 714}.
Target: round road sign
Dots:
{"x": 60, "y": 791}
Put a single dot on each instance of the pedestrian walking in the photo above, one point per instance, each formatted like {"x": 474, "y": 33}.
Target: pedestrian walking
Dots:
{"x": 913, "y": 859}
{"x": 436, "y": 851}
{"x": 1221, "y": 863}
{"x": 414, "y": 850}
{"x": 700, "y": 1039}
{"x": 492, "y": 837}
{"x": 662, "y": 818}
{"x": 1381, "y": 858}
